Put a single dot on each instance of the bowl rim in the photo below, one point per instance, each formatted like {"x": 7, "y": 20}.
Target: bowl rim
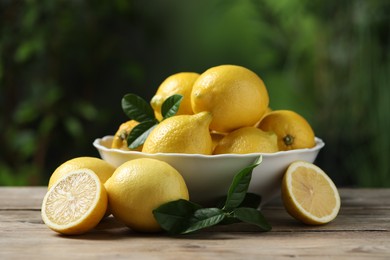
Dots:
{"x": 97, "y": 144}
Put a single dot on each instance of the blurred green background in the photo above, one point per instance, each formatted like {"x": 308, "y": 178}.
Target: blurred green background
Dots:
{"x": 65, "y": 65}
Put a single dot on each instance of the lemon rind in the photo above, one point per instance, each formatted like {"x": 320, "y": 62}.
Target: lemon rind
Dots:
{"x": 307, "y": 215}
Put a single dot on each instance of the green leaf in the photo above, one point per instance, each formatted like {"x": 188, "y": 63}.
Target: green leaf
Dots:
{"x": 251, "y": 200}
{"x": 229, "y": 219}
{"x": 171, "y": 106}
{"x": 239, "y": 187}
{"x": 137, "y": 108}
{"x": 252, "y": 216}
{"x": 175, "y": 216}
{"x": 183, "y": 217}
{"x": 139, "y": 133}
{"x": 204, "y": 218}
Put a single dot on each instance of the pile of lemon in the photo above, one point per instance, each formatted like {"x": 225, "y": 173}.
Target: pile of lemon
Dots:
{"x": 223, "y": 110}
{"x": 83, "y": 190}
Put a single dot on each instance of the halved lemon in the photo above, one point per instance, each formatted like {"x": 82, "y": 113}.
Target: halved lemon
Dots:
{"x": 75, "y": 203}
{"x": 309, "y": 195}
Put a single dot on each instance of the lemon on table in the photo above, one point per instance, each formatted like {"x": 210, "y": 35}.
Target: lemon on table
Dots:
{"x": 103, "y": 169}
{"x": 120, "y": 137}
{"x": 179, "y": 83}
{"x": 309, "y": 195}
{"x": 235, "y": 96}
{"x": 181, "y": 134}
{"x": 75, "y": 204}
{"x": 247, "y": 140}
{"x": 293, "y": 131}
{"x": 138, "y": 187}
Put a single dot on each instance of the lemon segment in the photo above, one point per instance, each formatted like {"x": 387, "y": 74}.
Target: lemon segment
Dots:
{"x": 75, "y": 204}
{"x": 309, "y": 195}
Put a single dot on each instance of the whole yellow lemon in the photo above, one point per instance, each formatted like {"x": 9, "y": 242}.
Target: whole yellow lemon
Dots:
{"x": 293, "y": 130}
{"x": 235, "y": 96}
{"x": 247, "y": 140}
{"x": 103, "y": 169}
{"x": 179, "y": 83}
{"x": 120, "y": 137}
{"x": 181, "y": 134}
{"x": 139, "y": 186}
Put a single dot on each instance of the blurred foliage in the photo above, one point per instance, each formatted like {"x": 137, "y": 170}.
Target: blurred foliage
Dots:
{"x": 65, "y": 66}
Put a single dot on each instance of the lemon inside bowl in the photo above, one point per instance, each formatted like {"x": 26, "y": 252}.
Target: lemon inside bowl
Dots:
{"x": 208, "y": 177}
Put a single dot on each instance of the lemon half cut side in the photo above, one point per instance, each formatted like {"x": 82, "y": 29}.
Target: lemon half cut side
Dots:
{"x": 309, "y": 195}
{"x": 75, "y": 204}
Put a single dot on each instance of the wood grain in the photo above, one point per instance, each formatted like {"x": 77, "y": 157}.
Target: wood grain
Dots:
{"x": 361, "y": 231}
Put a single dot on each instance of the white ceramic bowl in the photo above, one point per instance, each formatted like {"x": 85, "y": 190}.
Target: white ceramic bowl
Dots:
{"x": 208, "y": 177}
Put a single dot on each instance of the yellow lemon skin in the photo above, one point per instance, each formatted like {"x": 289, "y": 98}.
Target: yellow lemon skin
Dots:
{"x": 216, "y": 138}
{"x": 179, "y": 83}
{"x": 120, "y": 137}
{"x": 181, "y": 134}
{"x": 309, "y": 195}
{"x": 75, "y": 204}
{"x": 103, "y": 169}
{"x": 266, "y": 113}
{"x": 247, "y": 140}
{"x": 138, "y": 187}
{"x": 293, "y": 131}
{"x": 234, "y": 95}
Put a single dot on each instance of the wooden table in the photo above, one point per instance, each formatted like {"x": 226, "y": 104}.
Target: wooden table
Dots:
{"x": 361, "y": 231}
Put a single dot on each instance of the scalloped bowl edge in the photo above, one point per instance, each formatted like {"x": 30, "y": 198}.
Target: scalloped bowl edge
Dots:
{"x": 208, "y": 177}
